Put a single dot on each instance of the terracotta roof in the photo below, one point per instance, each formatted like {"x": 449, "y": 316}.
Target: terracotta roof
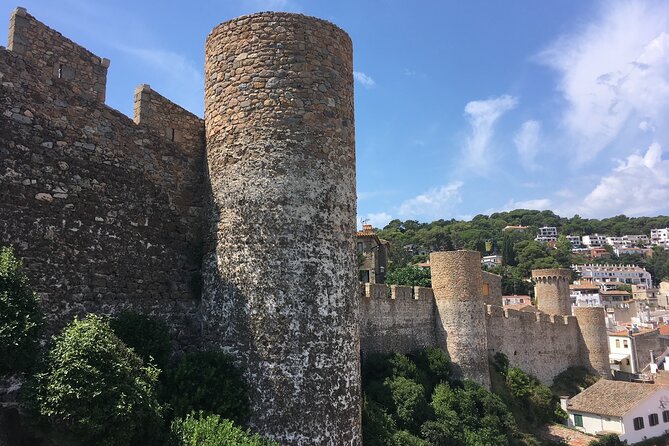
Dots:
{"x": 613, "y": 398}
{"x": 615, "y": 293}
{"x": 584, "y": 286}
{"x": 664, "y": 330}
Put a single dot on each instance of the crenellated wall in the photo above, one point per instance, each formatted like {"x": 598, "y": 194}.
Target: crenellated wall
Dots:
{"x": 401, "y": 323}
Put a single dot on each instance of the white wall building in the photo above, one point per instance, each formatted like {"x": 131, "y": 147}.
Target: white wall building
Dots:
{"x": 490, "y": 261}
{"x": 636, "y": 240}
{"x": 547, "y": 234}
{"x": 660, "y": 237}
{"x": 593, "y": 240}
{"x": 633, "y": 411}
{"x": 575, "y": 241}
{"x": 629, "y": 274}
{"x": 585, "y": 294}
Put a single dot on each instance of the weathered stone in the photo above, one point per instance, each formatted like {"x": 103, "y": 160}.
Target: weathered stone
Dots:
{"x": 44, "y": 197}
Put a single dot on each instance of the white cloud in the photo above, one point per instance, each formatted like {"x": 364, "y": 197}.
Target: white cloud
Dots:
{"x": 639, "y": 185}
{"x": 527, "y": 143}
{"x": 364, "y": 79}
{"x": 539, "y": 204}
{"x": 482, "y": 116}
{"x": 613, "y": 70}
{"x": 378, "y": 219}
{"x": 438, "y": 202}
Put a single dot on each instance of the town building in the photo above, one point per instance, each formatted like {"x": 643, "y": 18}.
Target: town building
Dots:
{"x": 547, "y": 234}
{"x": 593, "y": 240}
{"x": 490, "y": 261}
{"x": 627, "y": 274}
{"x": 660, "y": 237}
{"x": 512, "y": 228}
{"x": 575, "y": 241}
{"x": 516, "y": 299}
{"x": 663, "y": 294}
{"x": 645, "y": 294}
{"x": 373, "y": 255}
{"x": 585, "y": 294}
{"x": 634, "y": 411}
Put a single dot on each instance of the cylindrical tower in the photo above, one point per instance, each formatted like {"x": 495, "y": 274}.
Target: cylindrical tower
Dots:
{"x": 280, "y": 275}
{"x": 594, "y": 343}
{"x": 551, "y": 289}
{"x": 458, "y": 289}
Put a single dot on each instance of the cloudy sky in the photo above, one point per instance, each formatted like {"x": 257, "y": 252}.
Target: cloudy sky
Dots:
{"x": 461, "y": 107}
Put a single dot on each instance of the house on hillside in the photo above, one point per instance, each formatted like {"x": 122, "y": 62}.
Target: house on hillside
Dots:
{"x": 633, "y": 411}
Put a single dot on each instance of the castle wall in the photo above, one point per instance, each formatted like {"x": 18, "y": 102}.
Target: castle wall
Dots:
{"x": 540, "y": 344}
{"x": 402, "y": 323}
{"x": 105, "y": 214}
{"x": 56, "y": 58}
{"x": 551, "y": 288}
{"x": 492, "y": 283}
{"x": 168, "y": 119}
{"x": 280, "y": 288}
{"x": 594, "y": 340}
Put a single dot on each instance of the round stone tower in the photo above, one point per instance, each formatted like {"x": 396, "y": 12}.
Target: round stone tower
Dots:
{"x": 594, "y": 345}
{"x": 458, "y": 289}
{"x": 280, "y": 274}
{"x": 551, "y": 289}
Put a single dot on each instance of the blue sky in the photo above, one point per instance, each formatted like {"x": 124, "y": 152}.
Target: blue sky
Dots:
{"x": 461, "y": 107}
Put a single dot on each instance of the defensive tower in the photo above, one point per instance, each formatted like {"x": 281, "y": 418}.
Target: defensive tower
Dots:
{"x": 461, "y": 324}
{"x": 551, "y": 289}
{"x": 280, "y": 276}
{"x": 594, "y": 342}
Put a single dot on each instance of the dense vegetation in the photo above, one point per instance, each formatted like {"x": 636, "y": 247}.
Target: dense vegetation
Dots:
{"x": 411, "y": 240}
{"x": 115, "y": 382}
{"x": 414, "y": 400}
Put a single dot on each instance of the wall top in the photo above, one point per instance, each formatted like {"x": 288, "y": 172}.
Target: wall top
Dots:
{"x": 551, "y": 272}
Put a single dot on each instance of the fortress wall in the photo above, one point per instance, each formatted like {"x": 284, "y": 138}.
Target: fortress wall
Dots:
{"x": 401, "y": 324}
{"x": 57, "y": 58}
{"x": 105, "y": 214}
{"x": 540, "y": 344}
{"x": 493, "y": 282}
{"x": 168, "y": 119}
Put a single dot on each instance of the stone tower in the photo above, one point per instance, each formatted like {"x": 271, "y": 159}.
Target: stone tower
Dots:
{"x": 458, "y": 289}
{"x": 551, "y": 289}
{"x": 594, "y": 345}
{"x": 280, "y": 275}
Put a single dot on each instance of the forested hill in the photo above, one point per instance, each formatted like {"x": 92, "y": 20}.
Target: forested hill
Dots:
{"x": 411, "y": 241}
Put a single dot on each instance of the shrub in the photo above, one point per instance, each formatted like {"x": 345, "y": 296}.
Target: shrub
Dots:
{"x": 501, "y": 363}
{"x": 572, "y": 381}
{"x": 20, "y": 317}
{"x": 150, "y": 337}
{"x": 377, "y": 426}
{"x": 410, "y": 405}
{"x": 435, "y": 364}
{"x": 404, "y": 438}
{"x": 608, "y": 440}
{"x": 209, "y": 382}
{"x": 212, "y": 430}
{"x": 94, "y": 389}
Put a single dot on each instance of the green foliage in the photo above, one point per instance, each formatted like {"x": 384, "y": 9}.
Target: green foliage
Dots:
{"x": 501, "y": 363}
{"x": 573, "y": 381}
{"x": 540, "y": 402}
{"x": 20, "y": 317}
{"x": 508, "y": 253}
{"x": 209, "y": 382}
{"x": 378, "y": 427}
{"x": 409, "y": 402}
{"x": 435, "y": 365}
{"x": 404, "y": 438}
{"x": 149, "y": 336}
{"x": 94, "y": 389}
{"x": 608, "y": 440}
{"x": 409, "y": 275}
{"x": 212, "y": 430}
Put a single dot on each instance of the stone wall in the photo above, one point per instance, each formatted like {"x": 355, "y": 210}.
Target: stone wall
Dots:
{"x": 493, "y": 284}
{"x": 401, "y": 323}
{"x": 540, "y": 344}
{"x": 166, "y": 118}
{"x": 55, "y": 57}
{"x": 280, "y": 279}
{"x": 551, "y": 288}
{"x": 106, "y": 214}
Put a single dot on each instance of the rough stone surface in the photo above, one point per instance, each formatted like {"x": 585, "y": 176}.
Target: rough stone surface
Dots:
{"x": 457, "y": 284}
{"x": 594, "y": 343}
{"x": 280, "y": 288}
{"x": 552, "y": 290}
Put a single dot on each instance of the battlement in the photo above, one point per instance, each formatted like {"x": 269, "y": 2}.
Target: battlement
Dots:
{"x": 495, "y": 311}
{"x": 383, "y": 291}
{"x": 174, "y": 122}
{"x": 58, "y": 58}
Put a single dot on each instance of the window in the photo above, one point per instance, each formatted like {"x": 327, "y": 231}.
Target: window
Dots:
{"x": 665, "y": 416}
{"x": 653, "y": 419}
{"x": 638, "y": 423}
{"x": 361, "y": 247}
{"x": 617, "y": 343}
{"x": 173, "y": 135}
{"x": 486, "y": 290}
{"x": 625, "y": 343}
{"x": 578, "y": 420}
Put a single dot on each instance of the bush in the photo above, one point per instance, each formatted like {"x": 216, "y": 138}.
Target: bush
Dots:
{"x": 209, "y": 382}
{"x": 404, "y": 438}
{"x": 20, "y": 317}
{"x": 572, "y": 381}
{"x": 501, "y": 363}
{"x": 94, "y": 389}
{"x": 149, "y": 336}
{"x": 608, "y": 440}
{"x": 212, "y": 430}
{"x": 377, "y": 426}
{"x": 410, "y": 405}
{"x": 435, "y": 364}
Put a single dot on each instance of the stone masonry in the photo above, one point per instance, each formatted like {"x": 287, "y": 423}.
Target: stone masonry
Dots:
{"x": 280, "y": 288}
{"x": 551, "y": 287}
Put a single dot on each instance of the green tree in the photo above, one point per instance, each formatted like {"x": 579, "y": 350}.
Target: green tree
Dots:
{"x": 20, "y": 316}
{"x": 562, "y": 252}
{"x": 409, "y": 401}
{"x": 508, "y": 253}
{"x": 148, "y": 336}
{"x": 212, "y": 430}
{"x": 93, "y": 389}
{"x": 409, "y": 275}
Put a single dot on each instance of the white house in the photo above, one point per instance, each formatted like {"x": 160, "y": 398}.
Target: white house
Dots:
{"x": 660, "y": 237}
{"x": 634, "y": 411}
{"x": 547, "y": 234}
{"x": 593, "y": 240}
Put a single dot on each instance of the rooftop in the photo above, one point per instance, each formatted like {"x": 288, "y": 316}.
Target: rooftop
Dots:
{"x": 613, "y": 398}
